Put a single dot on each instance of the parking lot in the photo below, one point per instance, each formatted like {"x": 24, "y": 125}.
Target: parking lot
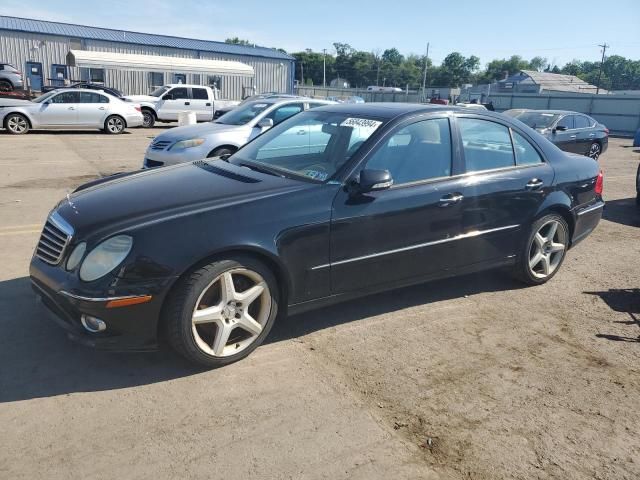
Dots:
{"x": 471, "y": 377}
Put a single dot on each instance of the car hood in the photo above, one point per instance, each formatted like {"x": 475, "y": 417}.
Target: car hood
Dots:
{"x": 151, "y": 196}
{"x": 198, "y": 130}
{"x": 141, "y": 98}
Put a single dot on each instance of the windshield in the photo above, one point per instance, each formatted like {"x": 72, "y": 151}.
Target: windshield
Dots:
{"x": 158, "y": 92}
{"x": 42, "y": 98}
{"x": 537, "y": 119}
{"x": 243, "y": 114}
{"x": 312, "y": 145}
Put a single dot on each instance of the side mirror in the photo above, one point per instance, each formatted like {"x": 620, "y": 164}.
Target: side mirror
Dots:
{"x": 167, "y": 96}
{"x": 372, "y": 181}
{"x": 560, "y": 128}
{"x": 265, "y": 123}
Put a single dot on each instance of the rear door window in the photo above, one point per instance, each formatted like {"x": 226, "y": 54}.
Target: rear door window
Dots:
{"x": 199, "y": 94}
{"x": 90, "y": 97}
{"x": 487, "y": 145}
{"x": 580, "y": 121}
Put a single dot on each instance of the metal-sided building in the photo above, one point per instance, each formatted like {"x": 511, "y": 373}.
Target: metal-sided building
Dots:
{"x": 39, "y": 49}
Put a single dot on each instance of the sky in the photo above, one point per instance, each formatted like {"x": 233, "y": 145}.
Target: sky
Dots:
{"x": 558, "y": 30}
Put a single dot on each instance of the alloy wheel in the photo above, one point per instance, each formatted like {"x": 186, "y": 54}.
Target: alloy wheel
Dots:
{"x": 547, "y": 249}
{"x": 147, "y": 119}
{"x": 115, "y": 125}
{"x": 17, "y": 124}
{"x": 594, "y": 151}
{"x": 231, "y": 312}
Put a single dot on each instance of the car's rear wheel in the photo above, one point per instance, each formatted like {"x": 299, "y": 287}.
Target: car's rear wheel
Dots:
{"x": 5, "y": 86}
{"x": 148, "y": 118}
{"x": 544, "y": 250}
{"x": 16, "y": 124}
{"x": 114, "y": 125}
{"x": 638, "y": 186}
{"x": 222, "y": 312}
{"x": 218, "y": 152}
{"x": 595, "y": 150}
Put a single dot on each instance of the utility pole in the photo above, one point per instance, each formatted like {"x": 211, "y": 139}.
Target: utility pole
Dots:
{"x": 324, "y": 68}
{"x": 424, "y": 77}
{"x": 604, "y": 49}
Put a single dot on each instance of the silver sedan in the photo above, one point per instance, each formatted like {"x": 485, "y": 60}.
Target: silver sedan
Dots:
{"x": 74, "y": 108}
{"x": 226, "y": 134}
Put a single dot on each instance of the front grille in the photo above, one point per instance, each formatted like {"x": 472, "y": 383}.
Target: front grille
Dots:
{"x": 54, "y": 240}
{"x": 160, "y": 144}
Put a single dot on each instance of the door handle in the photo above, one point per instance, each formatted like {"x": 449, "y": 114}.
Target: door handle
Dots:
{"x": 301, "y": 132}
{"x": 101, "y": 108}
{"x": 534, "y": 184}
{"x": 187, "y": 103}
{"x": 451, "y": 199}
{"x": 592, "y": 134}
{"x": 572, "y": 136}
{"x": 207, "y": 104}
{"x": 71, "y": 108}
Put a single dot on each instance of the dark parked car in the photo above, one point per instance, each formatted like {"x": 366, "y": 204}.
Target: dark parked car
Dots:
{"x": 90, "y": 86}
{"x": 571, "y": 131}
{"x": 208, "y": 253}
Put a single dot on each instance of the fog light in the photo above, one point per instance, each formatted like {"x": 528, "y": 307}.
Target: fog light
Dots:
{"x": 93, "y": 324}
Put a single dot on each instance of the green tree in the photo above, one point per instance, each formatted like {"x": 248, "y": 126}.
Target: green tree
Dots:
{"x": 238, "y": 41}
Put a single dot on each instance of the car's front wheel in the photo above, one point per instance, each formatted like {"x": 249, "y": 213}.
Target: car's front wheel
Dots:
{"x": 221, "y": 312}
{"x": 16, "y": 123}
{"x": 5, "y": 86}
{"x": 544, "y": 250}
{"x": 114, "y": 125}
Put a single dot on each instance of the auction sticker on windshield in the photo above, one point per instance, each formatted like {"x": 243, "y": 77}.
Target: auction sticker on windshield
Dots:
{"x": 361, "y": 123}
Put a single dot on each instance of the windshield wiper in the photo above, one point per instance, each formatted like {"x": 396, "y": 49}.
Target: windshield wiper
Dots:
{"x": 261, "y": 169}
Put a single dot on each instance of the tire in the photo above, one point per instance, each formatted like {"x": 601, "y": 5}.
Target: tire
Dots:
{"x": 595, "y": 150}
{"x": 550, "y": 245}
{"x": 638, "y": 186}
{"x": 6, "y": 86}
{"x": 218, "y": 152}
{"x": 149, "y": 118}
{"x": 114, "y": 125}
{"x": 218, "y": 334}
{"x": 16, "y": 124}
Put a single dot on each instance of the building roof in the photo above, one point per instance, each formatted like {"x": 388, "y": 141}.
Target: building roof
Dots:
{"x": 560, "y": 83}
{"x": 124, "y": 36}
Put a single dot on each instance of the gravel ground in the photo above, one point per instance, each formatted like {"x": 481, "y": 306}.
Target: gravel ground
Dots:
{"x": 473, "y": 377}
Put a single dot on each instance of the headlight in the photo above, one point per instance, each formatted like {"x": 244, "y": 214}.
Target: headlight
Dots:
{"x": 105, "y": 257}
{"x": 76, "y": 256}
{"x": 193, "y": 142}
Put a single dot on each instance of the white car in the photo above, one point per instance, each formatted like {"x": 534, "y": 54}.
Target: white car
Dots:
{"x": 71, "y": 108}
{"x": 226, "y": 134}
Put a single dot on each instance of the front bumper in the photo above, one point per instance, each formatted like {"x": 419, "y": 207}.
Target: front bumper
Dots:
{"x": 130, "y": 328}
{"x": 162, "y": 158}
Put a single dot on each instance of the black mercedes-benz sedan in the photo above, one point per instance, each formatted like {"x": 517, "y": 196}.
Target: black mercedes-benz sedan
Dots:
{"x": 333, "y": 203}
{"x": 570, "y": 131}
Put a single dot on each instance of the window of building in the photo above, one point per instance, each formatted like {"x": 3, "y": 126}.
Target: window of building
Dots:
{"x": 92, "y": 75}
{"x": 420, "y": 151}
{"x": 180, "y": 78}
{"x": 195, "y": 79}
{"x": 156, "y": 79}
{"x": 215, "y": 81}
{"x": 487, "y": 145}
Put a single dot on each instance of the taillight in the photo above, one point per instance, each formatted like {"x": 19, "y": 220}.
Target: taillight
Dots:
{"x": 599, "y": 183}
{"x": 606, "y": 131}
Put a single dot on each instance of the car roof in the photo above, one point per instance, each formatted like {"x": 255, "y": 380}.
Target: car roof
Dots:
{"x": 90, "y": 90}
{"x": 390, "y": 111}
{"x": 553, "y": 112}
{"x": 278, "y": 101}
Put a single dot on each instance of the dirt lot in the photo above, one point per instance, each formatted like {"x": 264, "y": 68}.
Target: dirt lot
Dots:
{"x": 473, "y": 377}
